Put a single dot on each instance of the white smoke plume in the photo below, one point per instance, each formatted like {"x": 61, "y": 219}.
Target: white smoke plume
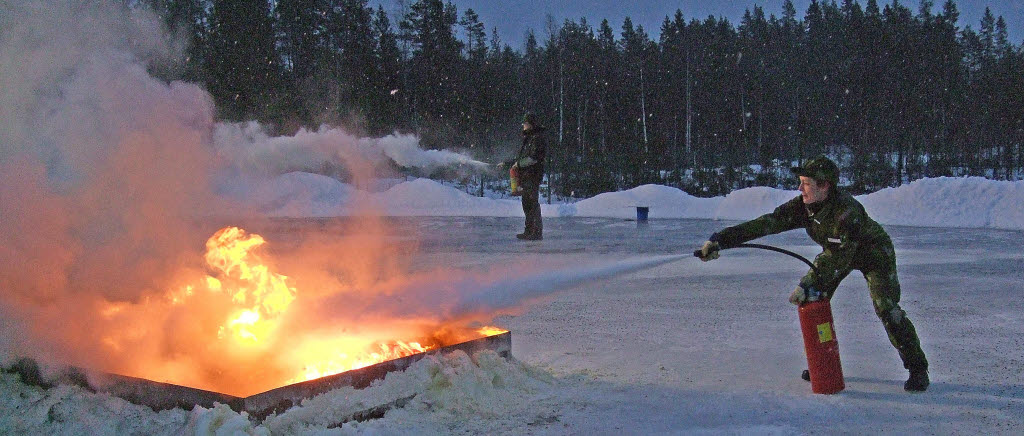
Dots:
{"x": 250, "y": 148}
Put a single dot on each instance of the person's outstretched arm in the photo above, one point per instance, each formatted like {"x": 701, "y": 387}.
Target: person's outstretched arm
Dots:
{"x": 790, "y": 215}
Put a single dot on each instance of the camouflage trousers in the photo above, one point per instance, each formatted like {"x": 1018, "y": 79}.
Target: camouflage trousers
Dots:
{"x": 878, "y": 266}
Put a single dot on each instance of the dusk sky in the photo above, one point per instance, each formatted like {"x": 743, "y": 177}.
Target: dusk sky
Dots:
{"x": 514, "y": 18}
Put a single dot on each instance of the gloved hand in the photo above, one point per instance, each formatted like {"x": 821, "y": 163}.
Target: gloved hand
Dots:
{"x": 709, "y": 251}
{"x": 803, "y": 295}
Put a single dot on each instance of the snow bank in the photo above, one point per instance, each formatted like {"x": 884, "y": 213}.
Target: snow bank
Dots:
{"x": 304, "y": 194}
{"x": 663, "y": 201}
{"x": 937, "y": 202}
{"x": 484, "y": 392}
{"x": 950, "y": 202}
{"x": 425, "y": 197}
{"x": 67, "y": 409}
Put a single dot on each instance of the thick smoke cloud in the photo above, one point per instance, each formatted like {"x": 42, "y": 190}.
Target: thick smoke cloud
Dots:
{"x": 100, "y": 167}
{"x": 98, "y": 158}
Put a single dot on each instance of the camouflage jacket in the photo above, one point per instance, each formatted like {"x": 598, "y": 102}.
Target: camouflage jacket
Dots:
{"x": 839, "y": 224}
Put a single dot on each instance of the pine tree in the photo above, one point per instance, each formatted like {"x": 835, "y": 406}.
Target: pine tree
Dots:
{"x": 302, "y": 32}
{"x": 243, "y": 64}
{"x": 389, "y": 92}
{"x": 429, "y": 29}
{"x": 475, "y": 85}
{"x": 352, "y": 60}
{"x": 302, "y": 42}
{"x": 476, "y": 38}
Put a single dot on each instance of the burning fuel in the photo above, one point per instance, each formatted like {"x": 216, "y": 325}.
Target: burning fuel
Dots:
{"x": 261, "y": 309}
{"x": 254, "y": 321}
{"x": 260, "y": 294}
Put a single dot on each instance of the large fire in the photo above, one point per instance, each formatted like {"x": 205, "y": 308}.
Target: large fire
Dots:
{"x": 245, "y": 308}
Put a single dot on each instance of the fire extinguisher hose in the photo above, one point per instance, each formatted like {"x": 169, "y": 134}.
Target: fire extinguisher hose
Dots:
{"x": 770, "y": 248}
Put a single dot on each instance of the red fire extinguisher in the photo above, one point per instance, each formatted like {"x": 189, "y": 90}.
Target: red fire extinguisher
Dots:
{"x": 821, "y": 347}
{"x": 819, "y": 335}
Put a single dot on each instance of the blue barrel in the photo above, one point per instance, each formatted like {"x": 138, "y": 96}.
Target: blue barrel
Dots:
{"x": 641, "y": 213}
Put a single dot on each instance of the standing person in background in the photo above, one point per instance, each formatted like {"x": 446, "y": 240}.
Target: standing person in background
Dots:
{"x": 530, "y": 164}
{"x": 850, "y": 240}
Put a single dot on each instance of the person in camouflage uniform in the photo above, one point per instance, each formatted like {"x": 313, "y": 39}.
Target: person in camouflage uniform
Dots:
{"x": 851, "y": 240}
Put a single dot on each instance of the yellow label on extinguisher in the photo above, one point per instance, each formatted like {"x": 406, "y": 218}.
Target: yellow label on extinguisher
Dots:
{"x": 824, "y": 332}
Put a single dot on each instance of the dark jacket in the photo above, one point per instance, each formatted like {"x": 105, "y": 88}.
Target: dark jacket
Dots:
{"x": 533, "y": 150}
{"x": 839, "y": 224}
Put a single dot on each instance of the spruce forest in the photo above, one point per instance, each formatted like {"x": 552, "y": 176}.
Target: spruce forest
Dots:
{"x": 893, "y": 92}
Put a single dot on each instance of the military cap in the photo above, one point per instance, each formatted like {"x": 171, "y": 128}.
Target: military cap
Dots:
{"x": 820, "y": 168}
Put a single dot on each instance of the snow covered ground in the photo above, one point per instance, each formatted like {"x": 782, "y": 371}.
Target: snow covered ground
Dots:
{"x": 685, "y": 347}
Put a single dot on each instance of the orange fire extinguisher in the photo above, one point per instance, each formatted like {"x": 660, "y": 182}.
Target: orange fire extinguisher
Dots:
{"x": 513, "y": 177}
{"x": 819, "y": 333}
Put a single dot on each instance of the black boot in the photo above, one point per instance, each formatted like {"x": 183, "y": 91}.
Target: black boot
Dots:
{"x": 530, "y": 236}
{"x": 903, "y": 336}
{"x": 806, "y": 375}
{"x": 918, "y": 381}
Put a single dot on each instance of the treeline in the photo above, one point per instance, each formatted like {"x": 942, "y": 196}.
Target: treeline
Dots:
{"x": 708, "y": 106}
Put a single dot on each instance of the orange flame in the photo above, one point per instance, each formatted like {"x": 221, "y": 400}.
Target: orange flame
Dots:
{"x": 263, "y": 294}
{"x": 342, "y": 362}
{"x": 491, "y": 331}
{"x": 240, "y": 313}
{"x": 385, "y": 351}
